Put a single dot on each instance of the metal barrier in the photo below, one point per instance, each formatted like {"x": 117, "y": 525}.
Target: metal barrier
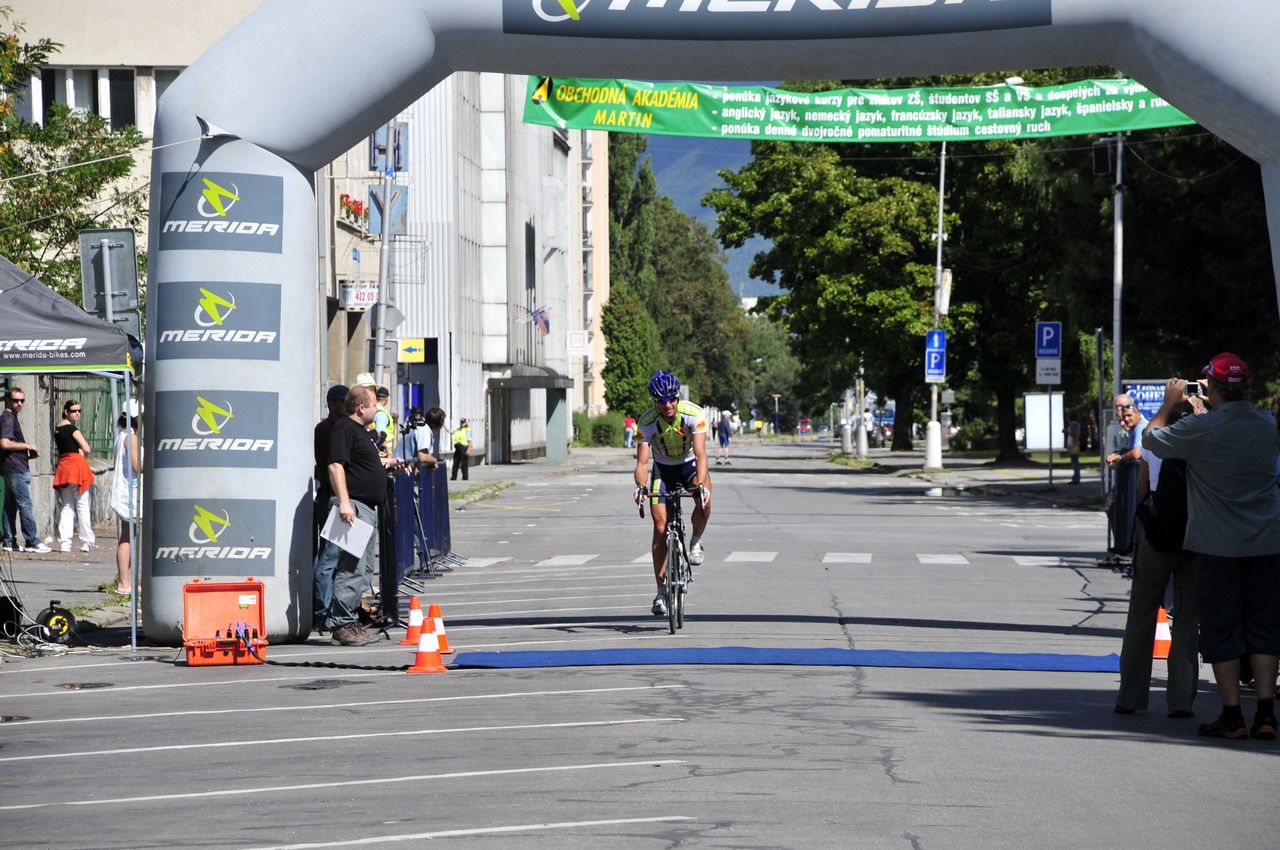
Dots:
{"x": 415, "y": 534}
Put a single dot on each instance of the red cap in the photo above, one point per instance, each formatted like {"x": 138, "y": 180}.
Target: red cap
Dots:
{"x": 1226, "y": 367}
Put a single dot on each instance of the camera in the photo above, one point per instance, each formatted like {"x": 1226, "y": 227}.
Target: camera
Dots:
{"x": 1193, "y": 388}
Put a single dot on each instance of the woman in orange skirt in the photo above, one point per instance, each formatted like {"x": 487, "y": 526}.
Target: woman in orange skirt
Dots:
{"x": 72, "y": 479}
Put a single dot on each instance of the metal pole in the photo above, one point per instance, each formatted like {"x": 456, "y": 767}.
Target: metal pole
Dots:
{"x": 775, "y": 415}
{"x": 133, "y": 521}
{"x": 933, "y": 433}
{"x": 1050, "y": 438}
{"x": 104, "y": 246}
{"x": 1099, "y": 369}
{"x": 1117, "y": 271}
{"x": 384, "y": 258}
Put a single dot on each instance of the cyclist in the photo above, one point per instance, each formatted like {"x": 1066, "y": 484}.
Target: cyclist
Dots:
{"x": 674, "y": 432}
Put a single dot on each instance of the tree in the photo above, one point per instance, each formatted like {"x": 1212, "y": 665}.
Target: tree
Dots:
{"x": 853, "y": 255}
{"x": 701, "y": 325}
{"x": 631, "y": 348}
{"x": 60, "y": 177}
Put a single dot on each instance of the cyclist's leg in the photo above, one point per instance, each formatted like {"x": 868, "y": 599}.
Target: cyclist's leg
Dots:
{"x": 702, "y": 514}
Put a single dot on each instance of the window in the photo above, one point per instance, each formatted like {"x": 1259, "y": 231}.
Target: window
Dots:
{"x": 123, "y": 107}
{"x": 84, "y": 91}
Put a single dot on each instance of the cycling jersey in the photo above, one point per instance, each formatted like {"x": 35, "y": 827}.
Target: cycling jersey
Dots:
{"x": 672, "y": 442}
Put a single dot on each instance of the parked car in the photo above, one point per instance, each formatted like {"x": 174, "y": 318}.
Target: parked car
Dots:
{"x": 805, "y": 425}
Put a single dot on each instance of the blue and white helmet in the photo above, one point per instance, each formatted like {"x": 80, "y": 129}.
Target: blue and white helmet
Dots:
{"x": 664, "y": 386}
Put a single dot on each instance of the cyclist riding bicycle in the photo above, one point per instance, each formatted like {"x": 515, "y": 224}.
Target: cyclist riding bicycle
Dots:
{"x": 674, "y": 433}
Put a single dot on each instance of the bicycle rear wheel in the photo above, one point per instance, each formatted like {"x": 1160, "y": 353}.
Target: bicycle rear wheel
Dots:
{"x": 671, "y": 582}
{"x": 680, "y": 603}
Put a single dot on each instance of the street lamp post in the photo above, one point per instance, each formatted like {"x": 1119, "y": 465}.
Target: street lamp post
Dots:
{"x": 933, "y": 432}
{"x": 776, "y": 396}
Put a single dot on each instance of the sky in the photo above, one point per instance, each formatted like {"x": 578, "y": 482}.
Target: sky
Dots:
{"x": 685, "y": 170}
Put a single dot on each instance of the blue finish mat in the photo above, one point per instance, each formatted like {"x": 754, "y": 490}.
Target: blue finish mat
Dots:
{"x": 829, "y": 657}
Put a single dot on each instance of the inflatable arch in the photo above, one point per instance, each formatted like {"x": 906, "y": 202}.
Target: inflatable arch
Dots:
{"x": 232, "y": 330}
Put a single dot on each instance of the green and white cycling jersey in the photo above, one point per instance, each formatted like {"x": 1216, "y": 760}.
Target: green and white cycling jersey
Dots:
{"x": 672, "y": 442}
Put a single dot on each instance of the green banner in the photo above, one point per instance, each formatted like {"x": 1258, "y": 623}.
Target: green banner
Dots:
{"x": 847, "y": 115}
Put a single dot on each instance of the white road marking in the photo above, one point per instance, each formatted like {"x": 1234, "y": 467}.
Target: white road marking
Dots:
{"x": 311, "y": 786}
{"x": 531, "y": 611}
{"x": 205, "y": 684}
{"x": 484, "y": 562}
{"x": 359, "y": 736}
{"x": 1039, "y": 561}
{"x": 646, "y": 558}
{"x": 364, "y": 704}
{"x": 483, "y": 830}
{"x": 847, "y": 558}
{"x": 567, "y": 560}
{"x": 548, "y": 598}
{"x": 751, "y": 557}
{"x": 499, "y": 589}
{"x": 942, "y": 559}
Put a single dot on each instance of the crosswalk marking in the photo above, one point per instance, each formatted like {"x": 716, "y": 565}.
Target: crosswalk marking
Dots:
{"x": 485, "y": 562}
{"x": 566, "y": 560}
{"x": 942, "y": 559}
{"x": 847, "y": 558}
{"x": 1039, "y": 561}
{"x": 644, "y": 559}
{"x": 752, "y": 557}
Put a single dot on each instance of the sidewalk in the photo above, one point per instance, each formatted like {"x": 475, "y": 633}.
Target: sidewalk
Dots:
{"x": 76, "y": 579}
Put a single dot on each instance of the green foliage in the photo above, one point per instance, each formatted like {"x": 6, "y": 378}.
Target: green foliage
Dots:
{"x": 59, "y": 178}
{"x": 631, "y": 351}
{"x": 605, "y": 432}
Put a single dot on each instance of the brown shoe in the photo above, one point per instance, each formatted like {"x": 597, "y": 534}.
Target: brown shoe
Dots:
{"x": 1264, "y": 728}
{"x": 352, "y": 634}
{"x": 1224, "y": 729}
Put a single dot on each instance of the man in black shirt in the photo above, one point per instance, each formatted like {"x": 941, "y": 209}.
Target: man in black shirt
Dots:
{"x": 14, "y": 454}
{"x": 357, "y": 476}
{"x": 327, "y": 557}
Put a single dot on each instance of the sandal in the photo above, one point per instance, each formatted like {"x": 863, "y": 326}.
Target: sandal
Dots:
{"x": 1264, "y": 728}
{"x": 1221, "y": 729}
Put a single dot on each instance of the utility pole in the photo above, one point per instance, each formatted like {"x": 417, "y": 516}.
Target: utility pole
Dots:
{"x": 384, "y": 259}
{"x": 1117, "y": 271}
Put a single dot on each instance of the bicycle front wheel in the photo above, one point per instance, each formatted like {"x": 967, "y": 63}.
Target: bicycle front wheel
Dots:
{"x": 672, "y": 581}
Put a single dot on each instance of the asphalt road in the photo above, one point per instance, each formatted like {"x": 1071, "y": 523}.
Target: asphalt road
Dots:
{"x": 800, "y": 554}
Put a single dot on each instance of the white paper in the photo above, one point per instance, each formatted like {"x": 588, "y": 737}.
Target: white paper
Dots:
{"x": 351, "y": 538}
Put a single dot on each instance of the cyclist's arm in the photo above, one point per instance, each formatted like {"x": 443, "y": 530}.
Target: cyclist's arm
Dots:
{"x": 700, "y": 456}
{"x": 642, "y": 464}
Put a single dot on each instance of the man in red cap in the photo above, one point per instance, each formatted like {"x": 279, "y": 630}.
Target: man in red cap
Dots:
{"x": 1233, "y": 527}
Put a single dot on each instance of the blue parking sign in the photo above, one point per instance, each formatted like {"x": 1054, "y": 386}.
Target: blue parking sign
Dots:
{"x": 935, "y": 356}
{"x": 1048, "y": 339}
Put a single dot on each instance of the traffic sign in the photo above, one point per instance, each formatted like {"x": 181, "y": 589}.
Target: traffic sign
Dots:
{"x": 413, "y": 350}
{"x": 1048, "y": 370}
{"x": 935, "y": 356}
{"x": 1049, "y": 339}
{"x": 935, "y": 365}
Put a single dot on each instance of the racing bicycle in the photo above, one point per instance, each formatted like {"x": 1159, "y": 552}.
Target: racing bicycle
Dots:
{"x": 679, "y": 572}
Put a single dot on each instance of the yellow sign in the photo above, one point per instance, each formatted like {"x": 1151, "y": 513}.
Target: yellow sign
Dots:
{"x": 413, "y": 350}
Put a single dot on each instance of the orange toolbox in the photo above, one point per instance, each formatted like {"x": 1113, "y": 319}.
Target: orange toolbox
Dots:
{"x": 224, "y": 622}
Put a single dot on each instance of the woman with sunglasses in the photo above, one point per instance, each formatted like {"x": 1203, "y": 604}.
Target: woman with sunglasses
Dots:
{"x": 72, "y": 479}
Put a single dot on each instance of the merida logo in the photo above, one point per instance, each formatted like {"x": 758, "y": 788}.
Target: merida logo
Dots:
{"x": 213, "y": 200}
{"x": 214, "y": 203}
{"x": 68, "y": 344}
{"x": 211, "y": 313}
{"x": 205, "y": 530}
{"x": 207, "y": 424}
{"x": 569, "y": 10}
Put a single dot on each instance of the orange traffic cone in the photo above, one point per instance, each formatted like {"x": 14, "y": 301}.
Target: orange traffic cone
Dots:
{"x": 437, "y": 623}
{"x": 415, "y": 623}
{"x": 428, "y": 659}
{"x": 1164, "y": 639}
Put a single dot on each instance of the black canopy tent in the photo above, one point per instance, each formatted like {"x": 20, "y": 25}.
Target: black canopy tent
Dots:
{"x": 42, "y": 332}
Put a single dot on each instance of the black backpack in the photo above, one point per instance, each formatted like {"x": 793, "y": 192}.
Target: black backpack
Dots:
{"x": 1164, "y": 512}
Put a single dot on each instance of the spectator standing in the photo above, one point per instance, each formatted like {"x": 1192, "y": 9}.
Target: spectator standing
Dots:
{"x": 327, "y": 551}
{"x": 1160, "y": 558}
{"x": 629, "y": 431}
{"x": 1232, "y": 508}
{"x": 1122, "y": 461}
{"x": 124, "y": 492}
{"x": 358, "y": 481}
{"x": 724, "y": 431}
{"x": 15, "y": 452}
{"x": 72, "y": 479}
{"x": 384, "y": 424}
{"x": 431, "y": 451}
{"x": 1073, "y": 449}
{"x": 461, "y": 450}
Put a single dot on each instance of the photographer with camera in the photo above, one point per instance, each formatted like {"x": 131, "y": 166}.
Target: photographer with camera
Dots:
{"x": 1232, "y": 508}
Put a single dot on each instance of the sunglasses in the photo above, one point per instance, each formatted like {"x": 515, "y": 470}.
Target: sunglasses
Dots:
{"x": 74, "y": 410}
{"x": 1128, "y": 407}
{"x": 18, "y": 400}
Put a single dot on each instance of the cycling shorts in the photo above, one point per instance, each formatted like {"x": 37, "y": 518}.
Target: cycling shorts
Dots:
{"x": 666, "y": 477}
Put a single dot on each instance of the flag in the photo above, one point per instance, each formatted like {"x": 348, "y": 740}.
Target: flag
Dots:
{"x": 542, "y": 320}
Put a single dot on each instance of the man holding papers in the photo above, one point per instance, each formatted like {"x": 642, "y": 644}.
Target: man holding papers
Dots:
{"x": 358, "y": 478}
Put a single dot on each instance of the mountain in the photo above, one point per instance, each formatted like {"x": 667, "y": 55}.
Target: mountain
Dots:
{"x": 685, "y": 170}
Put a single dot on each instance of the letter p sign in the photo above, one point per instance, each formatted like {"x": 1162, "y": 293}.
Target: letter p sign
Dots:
{"x": 1049, "y": 339}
